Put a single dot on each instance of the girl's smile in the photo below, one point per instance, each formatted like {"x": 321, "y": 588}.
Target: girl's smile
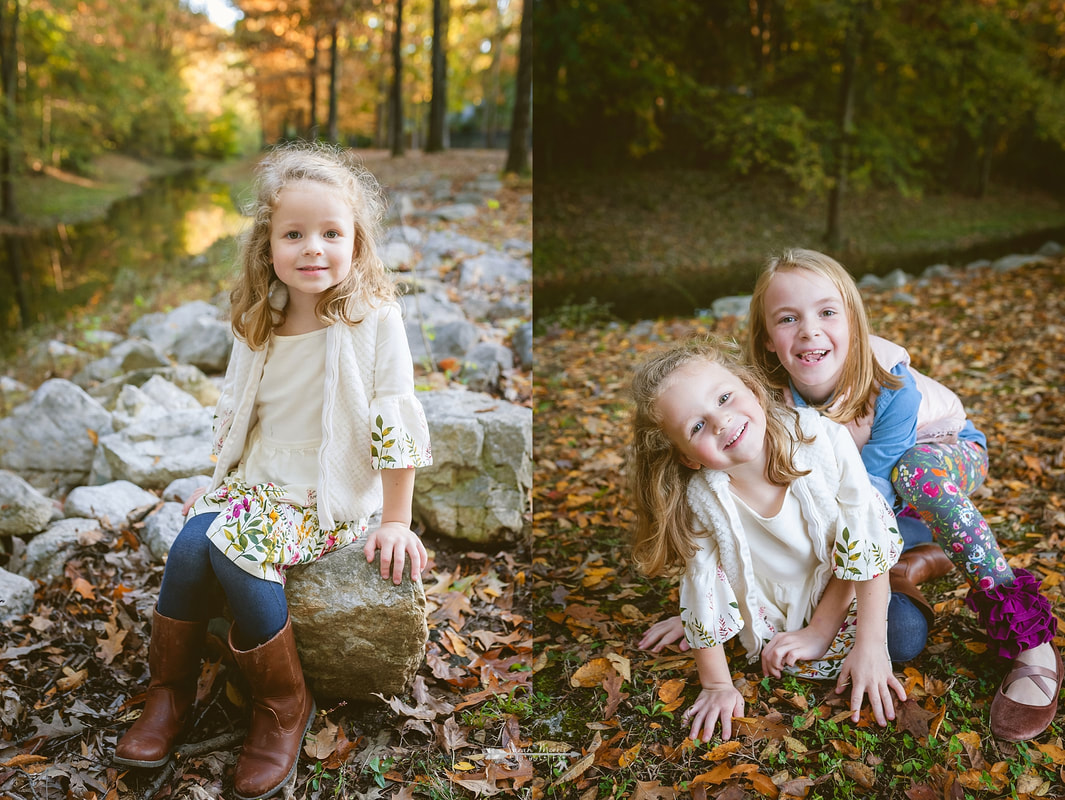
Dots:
{"x": 808, "y": 329}
{"x": 712, "y": 418}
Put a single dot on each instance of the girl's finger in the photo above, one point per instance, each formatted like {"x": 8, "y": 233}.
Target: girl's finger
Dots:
{"x": 399, "y": 557}
{"x": 369, "y": 547}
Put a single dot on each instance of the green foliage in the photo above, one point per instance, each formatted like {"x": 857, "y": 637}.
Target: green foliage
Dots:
{"x": 943, "y": 92}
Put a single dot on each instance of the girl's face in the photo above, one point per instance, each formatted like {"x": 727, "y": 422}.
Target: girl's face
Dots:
{"x": 312, "y": 238}
{"x": 807, "y": 327}
{"x": 711, "y": 417}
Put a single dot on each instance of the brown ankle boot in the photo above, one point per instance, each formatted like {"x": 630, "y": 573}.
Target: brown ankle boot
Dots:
{"x": 923, "y": 563}
{"x": 282, "y": 712}
{"x": 174, "y": 662}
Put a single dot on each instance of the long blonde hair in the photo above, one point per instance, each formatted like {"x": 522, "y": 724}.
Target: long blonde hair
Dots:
{"x": 664, "y": 535}
{"x": 862, "y": 377}
{"x": 368, "y": 282}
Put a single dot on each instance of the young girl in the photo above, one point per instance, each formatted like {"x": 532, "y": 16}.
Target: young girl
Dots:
{"x": 317, "y": 429}
{"x": 809, "y": 333}
{"x": 782, "y": 539}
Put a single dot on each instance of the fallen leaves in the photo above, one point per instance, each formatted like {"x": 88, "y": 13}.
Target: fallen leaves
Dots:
{"x": 1003, "y": 352}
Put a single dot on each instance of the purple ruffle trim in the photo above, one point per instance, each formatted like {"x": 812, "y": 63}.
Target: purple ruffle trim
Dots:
{"x": 1016, "y": 616}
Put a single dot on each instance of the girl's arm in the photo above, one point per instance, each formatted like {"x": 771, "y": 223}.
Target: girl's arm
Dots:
{"x": 395, "y": 538}
{"x": 867, "y": 667}
{"x": 813, "y": 641}
{"x": 719, "y": 700}
{"x": 894, "y": 432}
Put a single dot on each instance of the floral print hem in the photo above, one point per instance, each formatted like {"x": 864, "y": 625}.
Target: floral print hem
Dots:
{"x": 264, "y": 531}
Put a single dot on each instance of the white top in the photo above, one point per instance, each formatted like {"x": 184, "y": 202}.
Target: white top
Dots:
{"x": 283, "y": 446}
{"x": 785, "y": 562}
{"x": 833, "y": 512}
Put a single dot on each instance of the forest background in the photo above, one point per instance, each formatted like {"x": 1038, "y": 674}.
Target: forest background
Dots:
{"x": 680, "y": 142}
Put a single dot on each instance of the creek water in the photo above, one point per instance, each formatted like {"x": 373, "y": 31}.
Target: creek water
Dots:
{"x": 51, "y": 274}
{"x": 677, "y": 293}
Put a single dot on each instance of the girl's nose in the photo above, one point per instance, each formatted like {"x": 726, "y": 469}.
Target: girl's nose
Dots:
{"x": 722, "y": 422}
{"x": 312, "y": 245}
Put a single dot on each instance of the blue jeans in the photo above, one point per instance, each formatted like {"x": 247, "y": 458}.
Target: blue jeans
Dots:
{"x": 907, "y": 628}
{"x": 197, "y": 573}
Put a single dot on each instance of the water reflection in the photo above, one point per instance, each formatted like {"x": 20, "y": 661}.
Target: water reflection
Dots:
{"x": 49, "y": 273}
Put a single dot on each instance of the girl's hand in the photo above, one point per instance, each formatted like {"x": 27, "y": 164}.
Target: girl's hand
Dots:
{"x": 718, "y": 702}
{"x": 397, "y": 542}
{"x": 868, "y": 670}
{"x": 664, "y": 633}
{"x": 785, "y": 649}
{"x": 191, "y": 501}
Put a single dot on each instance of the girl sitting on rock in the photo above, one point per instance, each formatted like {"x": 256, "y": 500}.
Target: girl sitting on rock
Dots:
{"x": 317, "y": 429}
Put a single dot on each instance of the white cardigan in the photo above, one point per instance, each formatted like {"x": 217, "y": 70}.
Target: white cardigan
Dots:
{"x": 853, "y": 532}
{"x": 369, "y": 377}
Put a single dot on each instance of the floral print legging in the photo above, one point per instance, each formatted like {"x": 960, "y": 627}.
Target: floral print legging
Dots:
{"x": 937, "y": 480}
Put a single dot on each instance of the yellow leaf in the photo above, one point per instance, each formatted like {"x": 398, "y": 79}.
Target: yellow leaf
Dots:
{"x": 464, "y": 766}
{"x": 629, "y": 755}
{"x": 593, "y": 673}
{"x": 723, "y": 751}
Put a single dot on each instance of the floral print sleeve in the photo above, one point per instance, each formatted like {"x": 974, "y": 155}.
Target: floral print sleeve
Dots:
{"x": 867, "y": 541}
{"x": 708, "y": 606}
{"x": 399, "y": 434}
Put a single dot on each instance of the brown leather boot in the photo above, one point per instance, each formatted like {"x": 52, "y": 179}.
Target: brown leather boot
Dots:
{"x": 282, "y": 712}
{"x": 923, "y": 563}
{"x": 174, "y": 662}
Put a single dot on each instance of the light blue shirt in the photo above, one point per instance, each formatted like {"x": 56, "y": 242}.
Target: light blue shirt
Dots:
{"x": 894, "y": 431}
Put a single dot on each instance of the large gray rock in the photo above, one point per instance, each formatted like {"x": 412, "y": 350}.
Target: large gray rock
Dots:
{"x": 494, "y": 269}
{"x": 186, "y": 377}
{"x": 130, "y": 355}
{"x": 16, "y": 595}
{"x": 165, "y": 329}
{"x": 356, "y": 633}
{"x": 49, "y": 440}
{"x": 23, "y": 510}
{"x": 157, "y": 398}
{"x": 153, "y": 452}
{"x": 161, "y": 529}
{"x": 204, "y": 342}
{"x": 47, "y": 553}
{"x": 479, "y": 484}
{"x": 112, "y": 504}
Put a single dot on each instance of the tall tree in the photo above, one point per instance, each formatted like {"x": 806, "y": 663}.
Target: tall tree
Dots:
{"x": 518, "y": 150}
{"x": 334, "y": 74}
{"x": 312, "y": 122}
{"x": 434, "y": 142}
{"x": 9, "y": 13}
{"x": 396, "y": 95}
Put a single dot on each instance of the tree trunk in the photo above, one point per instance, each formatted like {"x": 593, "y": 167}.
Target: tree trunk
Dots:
{"x": 434, "y": 143}
{"x": 984, "y": 180}
{"x": 396, "y": 100}
{"x": 491, "y": 95}
{"x": 518, "y": 151}
{"x": 852, "y": 45}
{"x": 9, "y": 13}
{"x": 334, "y": 72}
{"x": 312, "y": 122}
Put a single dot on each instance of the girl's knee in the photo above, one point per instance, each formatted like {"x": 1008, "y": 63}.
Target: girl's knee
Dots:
{"x": 907, "y": 629}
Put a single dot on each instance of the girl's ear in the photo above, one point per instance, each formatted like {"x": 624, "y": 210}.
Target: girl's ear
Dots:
{"x": 689, "y": 463}
{"x": 767, "y": 343}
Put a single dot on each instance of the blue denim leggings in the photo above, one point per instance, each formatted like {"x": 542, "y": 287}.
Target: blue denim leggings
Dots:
{"x": 907, "y": 628}
{"x": 195, "y": 573}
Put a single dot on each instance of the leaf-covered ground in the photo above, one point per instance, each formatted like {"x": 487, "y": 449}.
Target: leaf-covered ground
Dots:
{"x": 611, "y": 714}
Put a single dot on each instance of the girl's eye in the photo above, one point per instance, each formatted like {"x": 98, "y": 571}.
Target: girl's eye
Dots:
{"x": 698, "y": 426}
{"x": 786, "y": 320}
{"x": 724, "y": 398}
{"x": 332, "y": 234}
{"x": 292, "y": 235}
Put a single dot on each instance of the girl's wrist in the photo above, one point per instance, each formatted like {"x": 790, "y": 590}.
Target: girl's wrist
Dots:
{"x": 716, "y": 686}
